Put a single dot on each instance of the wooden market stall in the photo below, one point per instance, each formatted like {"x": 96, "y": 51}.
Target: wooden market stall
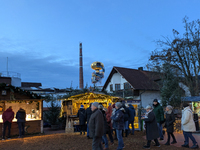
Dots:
{"x": 31, "y": 103}
{"x": 71, "y": 105}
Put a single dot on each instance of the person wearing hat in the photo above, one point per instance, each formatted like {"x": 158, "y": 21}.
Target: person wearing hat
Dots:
{"x": 96, "y": 127}
{"x": 132, "y": 117}
{"x": 151, "y": 127}
{"x": 82, "y": 119}
{"x": 188, "y": 126}
{"x": 159, "y": 113}
{"x": 118, "y": 119}
{"x": 169, "y": 124}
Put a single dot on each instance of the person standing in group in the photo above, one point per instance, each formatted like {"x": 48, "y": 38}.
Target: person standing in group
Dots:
{"x": 96, "y": 127}
{"x": 82, "y": 120}
{"x": 126, "y": 118}
{"x": 131, "y": 117}
{"x": 106, "y": 127}
{"x": 21, "y": 119}
{"x": 113, "y": 123}
{"x": 159, "y": 113}
{"x": 108, "y": 118}
{"x": 118, "y": 120}
{"x": 188, "y": 126}
{"x": 7, "y": 117}
{"x": 151, "y": 127}
{"x": 169, "y": 124}
{"x": 88, "y": 113}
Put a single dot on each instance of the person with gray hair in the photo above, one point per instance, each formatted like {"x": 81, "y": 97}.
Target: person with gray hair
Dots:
{"x": 96, "y": 127}
{"x": 151, "y": 127}
{"x": 118, "y": 119}
{"x": 169, "y": 124}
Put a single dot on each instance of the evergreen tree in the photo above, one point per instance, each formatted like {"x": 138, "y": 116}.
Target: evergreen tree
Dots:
{"x": 170, "y": 90}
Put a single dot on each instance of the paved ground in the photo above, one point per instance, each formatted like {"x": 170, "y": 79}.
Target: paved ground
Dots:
{"x": 180, "y": 139}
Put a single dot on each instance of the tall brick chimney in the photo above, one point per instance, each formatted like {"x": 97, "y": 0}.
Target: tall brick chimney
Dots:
{"x": 80, "y": 67}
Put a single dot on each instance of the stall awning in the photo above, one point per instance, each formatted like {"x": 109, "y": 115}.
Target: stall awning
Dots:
{"x": 191, "y": 98}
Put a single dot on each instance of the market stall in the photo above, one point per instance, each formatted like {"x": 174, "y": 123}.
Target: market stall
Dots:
{"x": 71, "y": 105}
{"x": 31, "y": 103}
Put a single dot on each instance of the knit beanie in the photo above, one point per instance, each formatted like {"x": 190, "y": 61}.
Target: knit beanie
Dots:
{"x": 95, "y": 104}
{"x": 169, "y": 107}
{"x": 118, "y": 104}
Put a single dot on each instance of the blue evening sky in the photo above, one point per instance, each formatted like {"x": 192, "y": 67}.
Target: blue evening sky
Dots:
{"x": 41, "y": 37}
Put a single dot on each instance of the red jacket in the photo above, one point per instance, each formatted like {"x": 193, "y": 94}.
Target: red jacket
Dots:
{"x": 8, "y": 115}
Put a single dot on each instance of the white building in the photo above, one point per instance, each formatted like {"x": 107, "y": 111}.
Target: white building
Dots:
{"x": 143, "y": 85}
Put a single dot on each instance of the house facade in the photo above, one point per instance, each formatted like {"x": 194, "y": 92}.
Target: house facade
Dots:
{"x": 136, "y": 86}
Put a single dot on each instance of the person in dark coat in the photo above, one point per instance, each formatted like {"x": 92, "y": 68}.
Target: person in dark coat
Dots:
{"x": 88, "y": 113}
{"x": 96, "y": 127}
{"x": 108, "y": 118}
{"x": 151, "y": 127}
{"x": 169, "y": 124}
{"x": 159, "y": 113}
{"x": 118, "y": 119}
{"x": 131, "y": 117}
{"x": 21, "y": 119}
{"x": 106, "y": 126}
{"x": 82, "y": 120}
{"x": 7, "y": 117}
{"x": 126, "y": 117}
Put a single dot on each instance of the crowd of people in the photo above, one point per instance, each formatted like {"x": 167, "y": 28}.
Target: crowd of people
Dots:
{"x": 8, "y": 117}
{"x": 107, "y": 124}
{"x": 112, "y": 123}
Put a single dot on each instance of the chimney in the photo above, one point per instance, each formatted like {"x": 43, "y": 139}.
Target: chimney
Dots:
{"x": 80, "y": 67}
{"x": 140, "y": 68}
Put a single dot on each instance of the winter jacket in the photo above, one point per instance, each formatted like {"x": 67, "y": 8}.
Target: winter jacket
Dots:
{"x": 169, "y": 122}
{"x": 159, "y": 113}
{"x": 126, "y": 113}
{"x": 187, "y": 121}
{"x": 88, "y": 113}
{"x": 8, "y": 115}
{"x": 118, "y": 119}
{"x": 151, "y": 126}
{"x": 132, "y": 113}
{"x": 21, "y": 115}
{"x": 106, "y": 126}
{"x": 96, "y": 124}
{"x": 81, "y": 115}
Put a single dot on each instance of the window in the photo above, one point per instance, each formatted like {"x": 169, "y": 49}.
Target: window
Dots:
{"x": 117, "y": 87}
{"x": 127, "y": 86}
{"x": 111, "y": 87}
{"x": 136, "y": 93}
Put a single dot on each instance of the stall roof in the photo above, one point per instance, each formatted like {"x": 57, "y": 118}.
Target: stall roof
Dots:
{"x": 91, "y": 95}
{"x": 191, "y": 98}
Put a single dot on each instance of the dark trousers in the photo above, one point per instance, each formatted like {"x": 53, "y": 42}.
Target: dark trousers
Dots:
{"x": 172, "y": 135}
{"x": 96, "y": 143}
{"x": 5, "y": 125}
{"x": 188, "y": 135}
{"x": 149, "y": 142}
{"x": 21, "y": 126}
{"x": 82, "y": 129}
{"x": 110, "y": 136}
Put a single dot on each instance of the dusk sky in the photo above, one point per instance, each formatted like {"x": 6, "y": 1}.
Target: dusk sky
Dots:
{"x": 41, "y": 37}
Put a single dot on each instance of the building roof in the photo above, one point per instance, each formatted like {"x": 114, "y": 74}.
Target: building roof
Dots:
{"x": 30, "y": 84}
{"x": 138, "y": 79}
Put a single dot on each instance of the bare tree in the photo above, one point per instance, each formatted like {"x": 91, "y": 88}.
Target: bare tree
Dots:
{"x": 182, "y": 53}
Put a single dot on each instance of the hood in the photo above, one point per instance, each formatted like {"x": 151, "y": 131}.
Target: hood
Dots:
{"x": 81, "y": 109}
{"x": 156, "y": 105}
{"x": 9, "y": 110}
{"x": 21, "y": 110}
{"x": 131, "y": 107}
{"x": 122, "y": 109}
